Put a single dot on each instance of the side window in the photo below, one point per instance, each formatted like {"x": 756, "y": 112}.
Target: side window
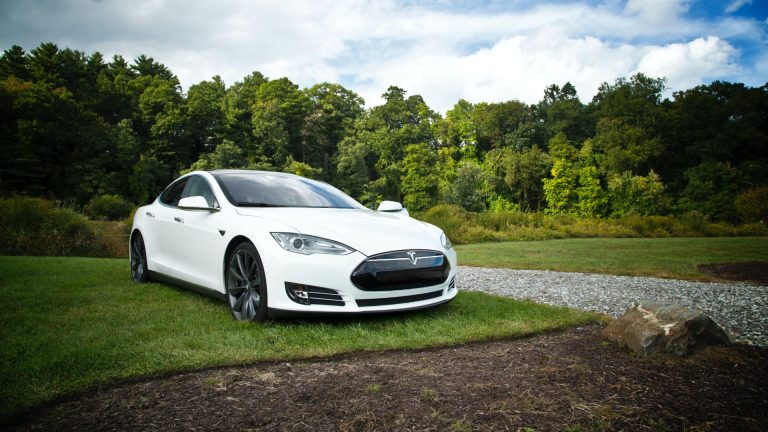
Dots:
{"x": 198, "y": 186}
{"x": 172, "y": 194}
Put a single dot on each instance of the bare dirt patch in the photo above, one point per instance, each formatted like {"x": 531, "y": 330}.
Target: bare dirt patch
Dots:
{"x": 570, "y": 380}
{"x": 748, "y": 271}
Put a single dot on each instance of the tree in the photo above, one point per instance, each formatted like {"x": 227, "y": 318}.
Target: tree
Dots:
{"x": 331, "y": 117}
{"x": 524, "y": 173}
{"x": 302, "y": 169}
{"x": 277, "y": 120}
{"x": 637, "y": 195}
{"x": 592, "y": 200}
{"x": 148, "y": 179}
{"x": 205, "y": 113}
{"x": 468, "y": 188}
{"x": 561, "y": 111}
{"x": 560, "y": 189}
{"x": 711, "y": 189}
{"x": 420, "y": 181}
{"x": 14, "y": 63}
{"x": 502, "y": 125}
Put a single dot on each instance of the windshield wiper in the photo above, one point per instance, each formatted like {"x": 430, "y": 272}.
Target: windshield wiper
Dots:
{"x": 249, "y": 204}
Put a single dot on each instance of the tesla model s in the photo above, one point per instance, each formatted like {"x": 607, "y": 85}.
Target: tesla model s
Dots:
{"x": 273, "y": 244}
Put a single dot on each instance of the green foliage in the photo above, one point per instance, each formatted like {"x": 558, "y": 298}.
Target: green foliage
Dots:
{"x": 226, "y": 156}
{"x": 148, "y": 179}
{"x": 711, "y": 189}
{"x": 470, "y": 227}
{"x": 560, "y": 189}
{"x": 752, "y": 205}
{"x": 33, "y": 226}
{"x": 419, "y": 182}
{"x": 637, "y": 195}
{"x": 468, "y": 187}
{"x": 76, "y": 126}
{"x": 108, "y": 207}
{"x": 302, "y": 169}
{"x": 592, "y": 200}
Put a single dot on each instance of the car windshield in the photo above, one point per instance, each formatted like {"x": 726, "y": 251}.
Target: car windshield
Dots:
{"x": 259, "y": 189}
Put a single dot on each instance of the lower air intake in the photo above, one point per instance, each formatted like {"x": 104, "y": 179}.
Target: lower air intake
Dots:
{"x": 398, "y": 300}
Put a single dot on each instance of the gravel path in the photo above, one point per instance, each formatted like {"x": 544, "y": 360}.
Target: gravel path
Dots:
{"x": 740, "y": 309}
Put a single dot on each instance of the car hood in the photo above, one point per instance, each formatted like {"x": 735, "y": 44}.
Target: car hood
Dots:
{"x": 364, "y": 230}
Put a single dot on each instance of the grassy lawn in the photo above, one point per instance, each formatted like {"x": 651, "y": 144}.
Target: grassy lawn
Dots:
{"x": 68, "y": 324}
{"x": 663, "y": 257}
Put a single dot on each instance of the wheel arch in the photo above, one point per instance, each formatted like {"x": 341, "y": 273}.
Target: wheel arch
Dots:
{"x": 236, "y": 240}
{"x": 134, "y": 231}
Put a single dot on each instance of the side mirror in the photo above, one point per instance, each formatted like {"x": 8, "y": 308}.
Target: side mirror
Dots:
{"x": 196, "y": 203}
{"x": 392, "y": 207}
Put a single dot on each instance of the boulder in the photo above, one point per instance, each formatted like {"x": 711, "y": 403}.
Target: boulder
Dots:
{"x": 652, "y": 328}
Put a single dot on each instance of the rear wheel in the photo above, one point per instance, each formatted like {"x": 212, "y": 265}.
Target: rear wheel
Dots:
{"x": 246, "y": 286}
{"x": 139, "y": 271}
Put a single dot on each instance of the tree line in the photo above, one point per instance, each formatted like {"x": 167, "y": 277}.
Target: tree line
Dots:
{"x": 76, "y": 126}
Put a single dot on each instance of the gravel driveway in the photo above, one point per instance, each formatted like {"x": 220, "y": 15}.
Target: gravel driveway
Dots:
{"x": 740, "y": 309}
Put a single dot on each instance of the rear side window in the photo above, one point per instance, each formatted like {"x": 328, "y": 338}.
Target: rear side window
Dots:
{"x": 172, "y": 194}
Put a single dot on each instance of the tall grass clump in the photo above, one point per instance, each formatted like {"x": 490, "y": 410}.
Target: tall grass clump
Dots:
{"x": 34, "y": 226}
{"x": 471, "y": 227}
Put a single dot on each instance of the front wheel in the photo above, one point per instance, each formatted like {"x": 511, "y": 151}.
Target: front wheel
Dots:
{"x": 138, "y": 255}
{"x": 246, "y": 285}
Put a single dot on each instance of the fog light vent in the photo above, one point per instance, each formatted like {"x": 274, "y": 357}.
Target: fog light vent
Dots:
{"x": 312, "y": 295}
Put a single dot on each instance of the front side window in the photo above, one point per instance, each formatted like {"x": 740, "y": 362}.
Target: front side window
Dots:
{"x": 276, "y": 190}
{"x": 198, "y": 186}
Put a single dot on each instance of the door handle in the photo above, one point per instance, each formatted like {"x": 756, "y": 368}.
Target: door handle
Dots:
{"x": 178, "y": 219}
{"x": 150, "y": 214}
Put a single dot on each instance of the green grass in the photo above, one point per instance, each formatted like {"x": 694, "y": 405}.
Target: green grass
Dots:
{"x": 69, "y": 324}
{"x": 663, "y": 257}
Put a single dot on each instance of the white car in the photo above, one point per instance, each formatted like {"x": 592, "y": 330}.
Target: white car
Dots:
{"x": 274, "y": 244}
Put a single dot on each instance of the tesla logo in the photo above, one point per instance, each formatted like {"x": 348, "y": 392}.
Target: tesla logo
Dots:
{"x": 412, "y": 257}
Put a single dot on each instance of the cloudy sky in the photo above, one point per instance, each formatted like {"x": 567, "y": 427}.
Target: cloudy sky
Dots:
{"x": 444, "y": 50}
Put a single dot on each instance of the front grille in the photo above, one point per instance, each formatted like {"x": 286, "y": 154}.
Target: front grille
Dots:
{"x": 398, "y": 300}
{"x": 401, "y": 270}
{"x": 308, "y": 294}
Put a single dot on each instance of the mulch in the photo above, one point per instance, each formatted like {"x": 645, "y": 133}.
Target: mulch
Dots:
{"x": 572, "y": 380}
{"x": 748, "y": 271}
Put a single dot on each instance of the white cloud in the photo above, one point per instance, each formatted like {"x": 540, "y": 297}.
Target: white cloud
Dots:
{"x": 735, "y": 5}
{"x": 657, "y": 12}
{"x": 687, "y": 65}
{"x": 438, "y": 51}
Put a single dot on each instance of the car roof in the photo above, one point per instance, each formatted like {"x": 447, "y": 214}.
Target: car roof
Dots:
{"x": 253, "y": 172}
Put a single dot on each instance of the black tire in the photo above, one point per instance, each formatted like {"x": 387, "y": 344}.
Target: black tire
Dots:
{"x": 138, "y": 257}
{"x": 246, "y": 285}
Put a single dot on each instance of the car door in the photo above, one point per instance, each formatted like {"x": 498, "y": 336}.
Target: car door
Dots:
{"x": 198, "y": 240}
{"x": 163, "y": 230}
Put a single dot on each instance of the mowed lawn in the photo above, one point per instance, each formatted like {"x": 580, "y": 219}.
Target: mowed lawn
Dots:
{"x": 662, "y": 257}
{"x": 68, "y": 324}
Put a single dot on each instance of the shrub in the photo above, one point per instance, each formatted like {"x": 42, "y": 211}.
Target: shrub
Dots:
{"x": 33, "y": 226}
{"x": 752, "y": 205}
{"x": 108, "y": 207}
{"x": 450, "y": 218}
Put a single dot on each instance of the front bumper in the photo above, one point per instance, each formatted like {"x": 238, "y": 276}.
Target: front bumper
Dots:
{"x": 333, "y": 272}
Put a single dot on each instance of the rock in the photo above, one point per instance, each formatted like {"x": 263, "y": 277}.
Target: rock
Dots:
{"x": 651, "y": 328}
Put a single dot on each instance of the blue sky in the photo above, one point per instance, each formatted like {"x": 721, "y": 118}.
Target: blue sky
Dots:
{"x": 444, "y": 50}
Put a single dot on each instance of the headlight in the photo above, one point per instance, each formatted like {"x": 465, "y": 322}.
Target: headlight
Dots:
{"x": 444, "y": 240}
{"x": 308, "y": 245}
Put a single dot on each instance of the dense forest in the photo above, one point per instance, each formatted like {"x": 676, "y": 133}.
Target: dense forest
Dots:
{"x": 76, "y": 126}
